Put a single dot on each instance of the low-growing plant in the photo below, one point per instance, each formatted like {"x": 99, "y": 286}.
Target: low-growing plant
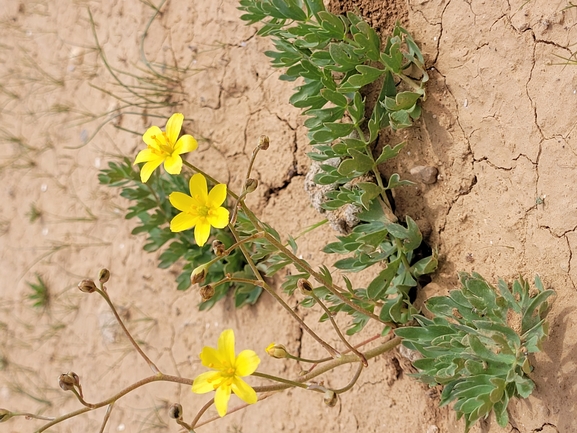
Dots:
{"x": 477, "y": 344}
{"x": 39, "y": 293}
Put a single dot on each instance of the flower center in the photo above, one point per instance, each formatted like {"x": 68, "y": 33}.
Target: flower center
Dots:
{"x": 163, "y": 144}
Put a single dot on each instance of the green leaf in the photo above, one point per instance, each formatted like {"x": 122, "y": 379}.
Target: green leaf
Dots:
{"x": 357, "y": 108}
{"x": 380, "y": 284}
{"x": 343, "y": 55}
{"x": 336, "y": 98}
{"x": 368, "y": 39}
{"x": 402, "y": 101}
{"x": 334, "y": 25}
{"x": 395, "y": 181}
{"x": 388, "y": 152}
{"x": 359, "y": 164}
{"x": 288, "y": 9}
{"x": 394, "y": 59}
{"x": 367, "y": 75}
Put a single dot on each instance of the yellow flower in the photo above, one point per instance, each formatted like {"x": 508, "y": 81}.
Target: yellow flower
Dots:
{"x": 229, "y": 370}
{"x": 165, "y": 147}
{"x": 200, "y": 209}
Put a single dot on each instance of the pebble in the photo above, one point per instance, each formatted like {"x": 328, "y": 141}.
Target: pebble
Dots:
{"x": 425, "y": 174}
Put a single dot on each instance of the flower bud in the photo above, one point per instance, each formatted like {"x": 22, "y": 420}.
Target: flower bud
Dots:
{"x": 175, "y": 411}
{"x": 103, "y": 275}
{"x": 218, "y": 248}
{"x": 250, "y": 185}
{"x": 198, "y": 274}
{"x": 263, "y": 142}
{"x": 87, "y": 286}
{"x": 276, "y": 351}
{"x": 206, "y": 292}
{"x": 304, "y": 286}
{"x": 66, "y": 382}
{"x": 330, "y": 398}
{"x": 5, "y": 415}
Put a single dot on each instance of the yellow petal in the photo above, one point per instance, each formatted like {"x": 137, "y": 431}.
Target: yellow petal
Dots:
{"x": 244, "y": 391}
{"x": 181, "y": 201}
{"x": 145, "y": 155}
{"x": 198, "y": 188}
{"x": 173, "y": 164}
{"x": 173, "y": 127}
{"x": 183, "y": 221}
{"x": 201, "y": 231}
{"x": 148, "y": 168}
{"x": 204, "y": 382}
{"x": 185, "y": 144}
{"x": 217, "y": 195}
{"x": 212, "y": 358}
{"x": 151, "y": 136}
{"x": 221, "y": 398}
{"x": 218, "y": 217}
{"x": 246, "y": 362}
{"x": 226, "y": 346}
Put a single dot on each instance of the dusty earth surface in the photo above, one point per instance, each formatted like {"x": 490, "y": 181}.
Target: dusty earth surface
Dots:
{"x": 499, "y": 124}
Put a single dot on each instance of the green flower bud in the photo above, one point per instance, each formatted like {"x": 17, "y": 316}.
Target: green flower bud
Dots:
{"x": 276, "y": 351}
{"x": 103, "y": 275}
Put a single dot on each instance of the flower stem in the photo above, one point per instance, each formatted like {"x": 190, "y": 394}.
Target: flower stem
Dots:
{"x": 279, "y": 379}
{"x": 334, "y": 289}
{"x": 337, "y": 329}
{"x": 160, "y": 377}
{"x": 151, "y": 364}
{"x": 265, "y": 286}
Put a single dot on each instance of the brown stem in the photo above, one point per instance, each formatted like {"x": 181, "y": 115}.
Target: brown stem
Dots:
{"x": 333, "y": 352}
{"x": 156, "y": 378}
{"x": 338, "y": 330}
{"x": 151, "y": 364}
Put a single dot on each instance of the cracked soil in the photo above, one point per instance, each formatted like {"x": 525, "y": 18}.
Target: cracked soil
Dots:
{"x": 498, "y": 124}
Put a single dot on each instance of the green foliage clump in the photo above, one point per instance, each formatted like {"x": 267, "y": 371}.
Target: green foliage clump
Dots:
{"x": 337, "y": 57}
{"x": 478, "y": 342}
{"x": 151, "y": 207}
{"x": 39, "y": 293}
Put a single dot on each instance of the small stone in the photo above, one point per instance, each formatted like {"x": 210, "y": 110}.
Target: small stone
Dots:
{"x": 432, "y": 429}
{"x": 425, "y": 174}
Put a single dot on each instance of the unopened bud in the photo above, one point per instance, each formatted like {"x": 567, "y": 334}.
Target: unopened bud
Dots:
{"x": 330, "y": 398}
{"x": 304, "y": 286}
{"x": 175, "y": 411}
{"x": 263, "y": 142}
{"x": 218, "y": 248}
{"x": 66, "y": 382}
{"x": 198, "y": 274}
{"x": 87, "y": 286}
{"x": 276, "y": 351}
{"x": 103, "y": 275}
{"x": 5, "y": 415}
{"x": 250, "y": 185}
{"x": 206, "y": 292}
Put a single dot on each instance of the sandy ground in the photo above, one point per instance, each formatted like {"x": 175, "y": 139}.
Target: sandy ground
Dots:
{"x": 498, "y": 124}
